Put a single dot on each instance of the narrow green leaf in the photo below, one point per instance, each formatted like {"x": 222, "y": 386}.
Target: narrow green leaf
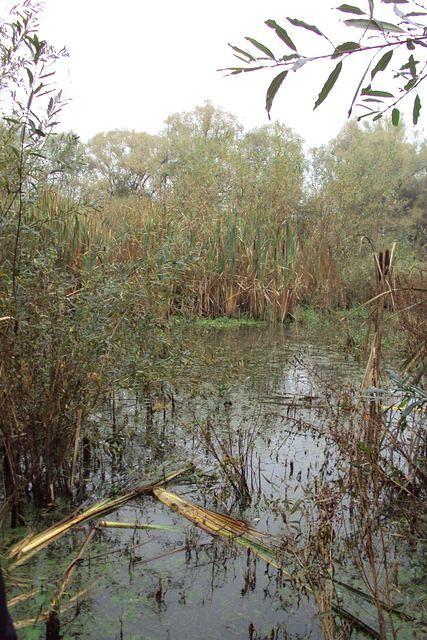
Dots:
{"x": 240, "y": 58}
{"x": 382, "y": 63}
{"x": 235, "y": 70}
{"x": 291, "y": 56}
{"x": 375, "y": 25}
{"x": 349, "y": 8}
{"x": 345, "y": 47}
{"x": 281, "y": 33}
{"x": 30, "y": 76}
{"x": 395, "y": 117}
{"x": 249, "y": 69}
{"x": 261, "y": 47}
{"x": 242, "y": 52}
{"x": 378, "y": 94}
{"x": 273, "y": 89}
{"x": 365, "y": 115}
{"x": 305, "y": 25}
{"x": 411, "y": 83}
{"x": 412, "y": 66}
{"x": 416, "y": 110}
{"x": 327, "y": 87}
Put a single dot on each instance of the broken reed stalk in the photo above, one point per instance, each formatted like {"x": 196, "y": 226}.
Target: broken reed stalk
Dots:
{"x": 79, "y": 414}
{"x": 33, "y": 543}
{"x": 218, "y": 524}
{"x": 22, "y": 598}
{"x": 53, "y": 624}
{"x": 71, "y": 568}
{"x": 384, "y": 291}
{"x": 109, "y": 524}
{"x": 261, "y": 544}
{"x": 366, "y": 477}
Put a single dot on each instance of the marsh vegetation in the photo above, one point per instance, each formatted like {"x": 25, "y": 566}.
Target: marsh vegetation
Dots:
{"x": 212, "y": 361}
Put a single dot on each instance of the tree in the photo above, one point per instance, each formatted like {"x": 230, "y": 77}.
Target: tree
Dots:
{"x": 369, "y": 178}
{"x": 30, "y": 108}
{"x": 200, "y": 144}
{"x": 399, "y": 45}
{"x": 270, "y": 172}
{"x": 124, "y": 162}
{"x": 65, "y": 159}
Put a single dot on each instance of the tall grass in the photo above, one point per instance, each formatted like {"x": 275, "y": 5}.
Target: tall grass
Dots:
{"x": 227, "y": 263}
{"x": 59, "y": 338}
{"x": 89, "y": 276}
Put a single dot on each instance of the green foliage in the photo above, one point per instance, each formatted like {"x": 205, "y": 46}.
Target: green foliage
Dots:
{"x": 104, "y": 242}
{"x": 389, "y": 40}
{"x": 329, "y": 84}
{"x": 124, "y": 162}
{"x": 108, "y": 245}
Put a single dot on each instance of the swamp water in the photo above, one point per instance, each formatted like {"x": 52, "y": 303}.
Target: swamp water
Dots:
{"x": 250, "y": 400}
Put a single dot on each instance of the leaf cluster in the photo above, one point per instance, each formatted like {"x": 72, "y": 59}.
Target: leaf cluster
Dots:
{"x": 399, "y": 45}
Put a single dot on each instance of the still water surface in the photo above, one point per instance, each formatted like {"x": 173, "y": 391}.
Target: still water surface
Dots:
{"x": 255, "y": 388}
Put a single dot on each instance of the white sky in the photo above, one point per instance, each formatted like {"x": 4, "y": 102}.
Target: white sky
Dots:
{"x": 133, "y": 62}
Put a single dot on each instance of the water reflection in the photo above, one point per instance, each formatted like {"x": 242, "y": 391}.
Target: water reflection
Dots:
{"x": 242, "y": 413}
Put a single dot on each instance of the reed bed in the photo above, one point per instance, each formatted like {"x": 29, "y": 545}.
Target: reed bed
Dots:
{"x": 219, "y": 264}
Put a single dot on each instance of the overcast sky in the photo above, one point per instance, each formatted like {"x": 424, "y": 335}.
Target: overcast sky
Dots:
{"x": 133, "y": 62}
